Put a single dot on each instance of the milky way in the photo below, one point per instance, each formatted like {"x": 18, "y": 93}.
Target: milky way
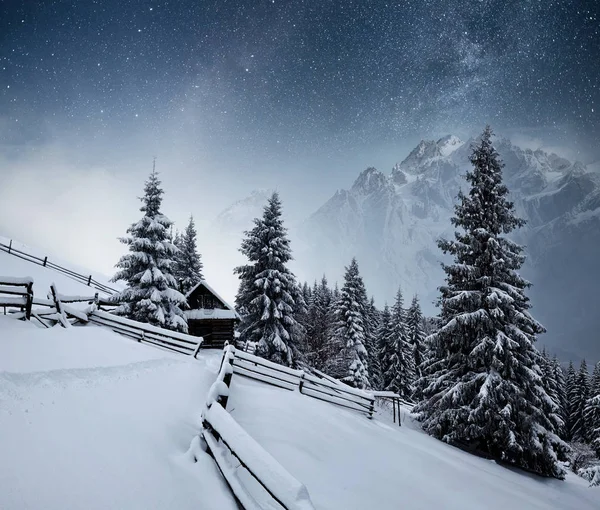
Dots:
{"x": 298, "y": 73}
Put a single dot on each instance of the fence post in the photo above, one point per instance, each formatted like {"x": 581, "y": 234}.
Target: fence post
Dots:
{"x": 301, "y": 382}
{"x": 222, "y": 399}
{"x": 59, "y": 309}
{"x": 45, "y": 260}
{"x": 9, "y": 246}
{"x": 89, "y": 280}
{"x": 29, "y": 301}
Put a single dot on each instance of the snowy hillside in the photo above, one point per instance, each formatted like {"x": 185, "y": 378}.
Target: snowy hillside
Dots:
{"x": 391, "y": 222}
{"x": 43, "y": 277}
{"x": 93, "y": 420}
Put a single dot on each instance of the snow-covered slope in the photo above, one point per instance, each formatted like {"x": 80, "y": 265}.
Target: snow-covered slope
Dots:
{"x": 43, "y": 277}
{"x": 349, "y": 462}
{"x": 93, "y": 420}
{"x": 89, "y": 419}
{"x": 391, "y": 222}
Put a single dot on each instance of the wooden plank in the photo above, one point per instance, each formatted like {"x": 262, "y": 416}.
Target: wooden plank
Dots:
{"x": 332, "y": 400}
{"x": 366, "y": 405}
{"x": 266, "y": 379}
{"x": 19, "y": 290}
{"x": 277, "y": 374}
{"x": 13, "y": 301}
{"x": 344, "y": 388}
{"x": 261, "y": 361}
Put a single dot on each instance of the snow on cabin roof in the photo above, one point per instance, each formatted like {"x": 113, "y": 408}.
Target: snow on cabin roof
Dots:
{"x": 214, "y": 293}
{"x": 213, "y": 313}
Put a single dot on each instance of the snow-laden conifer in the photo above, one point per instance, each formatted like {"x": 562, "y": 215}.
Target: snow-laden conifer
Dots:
{"x": 151, "y": 294}
{"x": 401, "y": 369}
{"x": 592, "y": 411}
{"x": 268, "y": 294}
{"x": 484, "y": 383}
{"x": 386, "y": 345}
{"x": 350, "y": 362}
{"x": 578, "y": 397}
{"x": 416, "y": 334}
{"x": 372, "y": 318}
{"x": 189, "y": 262}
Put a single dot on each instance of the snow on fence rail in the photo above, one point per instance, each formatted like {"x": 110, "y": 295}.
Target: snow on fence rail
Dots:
{"x": 85, "y": 279}
{"x": 16, "y": 293}
{"x": 233, "y": 449}
{"x": 322, "y": 388}
{"x": 146, "y": 333}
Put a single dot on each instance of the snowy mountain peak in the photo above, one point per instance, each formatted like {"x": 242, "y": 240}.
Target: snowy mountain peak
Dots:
{"x": 448, "y": 144}
{"x": 369, "y": 181}
{"x": 428, "y": 151}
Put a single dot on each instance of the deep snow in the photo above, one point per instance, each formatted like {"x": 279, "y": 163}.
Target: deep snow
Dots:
{"x": 92, "y": 420}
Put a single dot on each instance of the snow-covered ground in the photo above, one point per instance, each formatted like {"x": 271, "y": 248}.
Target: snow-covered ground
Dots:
{"x": 44, "y": 276}
{"x": 349, "y": 462}
{"x": 92, "y": 420}
{"x": 89, "y": 419}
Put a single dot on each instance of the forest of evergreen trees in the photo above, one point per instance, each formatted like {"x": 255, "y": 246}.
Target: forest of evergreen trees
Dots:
{"x": 474, "y": 372}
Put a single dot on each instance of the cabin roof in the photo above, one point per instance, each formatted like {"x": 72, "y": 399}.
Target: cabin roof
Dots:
{"x": 230, "y": 313}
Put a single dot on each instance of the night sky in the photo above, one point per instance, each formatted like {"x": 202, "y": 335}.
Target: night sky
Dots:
{"x": 297, "y": 73}
{"x": 301, "y": 96}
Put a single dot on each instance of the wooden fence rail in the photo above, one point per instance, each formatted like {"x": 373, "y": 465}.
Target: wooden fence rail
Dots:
{"x": 85, "y": 279}
{"x": 146, "y": 333}
{"x": 17, "y": 293}
{"x": 233, "y": 449}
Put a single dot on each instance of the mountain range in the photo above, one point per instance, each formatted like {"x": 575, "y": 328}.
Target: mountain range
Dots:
{"x": 391, "y": 223}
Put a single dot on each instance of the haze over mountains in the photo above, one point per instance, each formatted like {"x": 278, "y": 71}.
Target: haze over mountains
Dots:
{"x": 391, "y": 222}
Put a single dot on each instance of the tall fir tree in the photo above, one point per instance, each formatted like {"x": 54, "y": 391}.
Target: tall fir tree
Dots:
{"x": 561, "y": 390}
{"x": 592, "y": 411}
{"x": 372, "y": 318}
{"x": 386, "y": 345}
{"x": 320, "y": 323}
{"x": 401, "y": 369}
{"x": 484, "y": 386}
{"x": 578, "y": 397}
{"x": 268, "y": 296}
{"x": 571, "y": 389}
{"x": 416, "y": 334}
{"x": 151, "y": 294}
{"x": 350, "y": 361}
{"x": 189, "y": 262}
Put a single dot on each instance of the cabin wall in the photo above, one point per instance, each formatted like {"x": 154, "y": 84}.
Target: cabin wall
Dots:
{"x": 202, "y": 298}
{"x": 215, "y": 331}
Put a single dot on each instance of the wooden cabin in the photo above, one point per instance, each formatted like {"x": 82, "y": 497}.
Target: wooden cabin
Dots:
{"x": 210, "y": 316}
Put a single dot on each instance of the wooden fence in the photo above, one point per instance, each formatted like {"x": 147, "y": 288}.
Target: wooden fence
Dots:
{"x": 16, "y": 293}
{"x": 146, "y": 333}
{"x": 233, "y": 449}
{"x": 85, "y": 279}
{"x": 315, "y": 386}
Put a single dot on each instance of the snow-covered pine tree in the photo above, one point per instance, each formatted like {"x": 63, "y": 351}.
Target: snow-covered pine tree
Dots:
{"x": 571, "y": 392}
{"x": 386, "y": 345}
{"x": 592, "y": 411}
{"x": 350, "y": 362}
{"x": 268, "y": 293}
{"x": 151, "y": 294}
{"x": 372, "y": 318}
{"x": 561, "y": 390}
{"x": 318, "y": 324}
{"x": 416, "y": 334}
{"x": 485, "y": 388}
{"x": 189, "y": 262}
{"x": 578, "y": 399}
{"x": 401, "y": 370}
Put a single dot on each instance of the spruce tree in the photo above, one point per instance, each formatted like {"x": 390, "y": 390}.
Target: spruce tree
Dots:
{"x": 189, "y": 263}
{"x": 484, "y": 383}
{"x": 578, "y": 399}
{"x": 561, "y": 390}
{"x": 416, "y": 334}
{"x": 401, "y": 368}
{"x": 268, "y": 294}
{"x": 592, "y": 411}
{"x": 151, "y": 294}
{"x": 571, "y": 392}
{"x": 386, "y": 345}
{"x": 350, "y": 362}
{"x": 372, "y": 318}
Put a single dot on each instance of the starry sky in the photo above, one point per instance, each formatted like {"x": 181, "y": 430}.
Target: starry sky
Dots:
{"x": 296, "y": 95}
